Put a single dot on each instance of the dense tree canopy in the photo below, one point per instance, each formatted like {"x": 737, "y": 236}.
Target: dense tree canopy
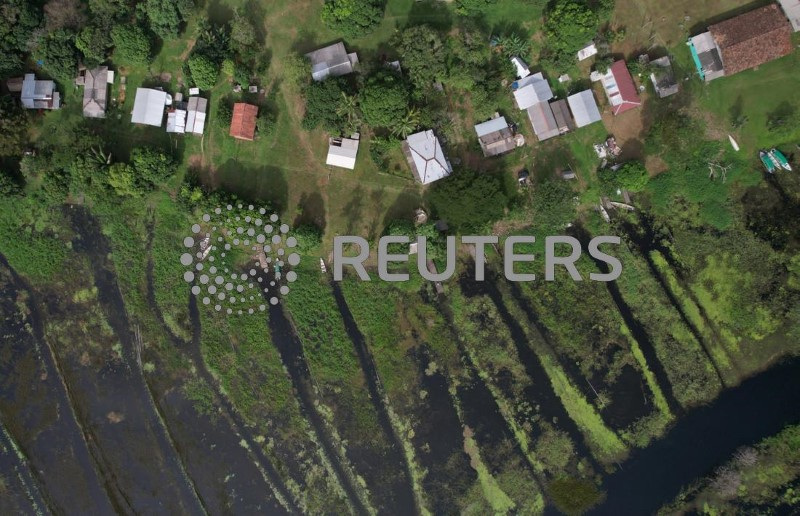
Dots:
{"x": 18, "y": 21}
{"x": 473, "y": 7}
{"x": 569, "y": 25}
{"x": 322, "y": 102}
{"x": 384, "y": 100}
{"x": 131, "y": 44}
{"x": 94, "y": 42}
{"x": 552, "y": 206}
{"x": 166, "y": 16}
{"x": 352, "y": 18}
{"x": 13, "y": 128}
{"x": 468, "y": 200}
{"x": 58, "y": 54}
{"x": 423, "y": 54}
{"x": 242, "y": 31}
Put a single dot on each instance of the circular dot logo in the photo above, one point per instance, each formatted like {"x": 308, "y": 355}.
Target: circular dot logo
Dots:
{"x": 239, "y": 258}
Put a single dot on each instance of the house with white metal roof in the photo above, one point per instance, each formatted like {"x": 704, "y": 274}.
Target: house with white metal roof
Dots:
{"x": 531, "y": 90}
{"x": 196, "y": 115}
{"x": 522, "y": 67}
{"x": 342, "y": 152}
{"x": 331, "y": 61}
{"x": 176, "y": 121}
{"x": 792, "y": 10}
{"x": 587, "y": 51}
{"x": 584, "y": 108}
{"x": 38, "y": 94}
{"x": 148, "y": 107}
{"x": 426, "y": 157}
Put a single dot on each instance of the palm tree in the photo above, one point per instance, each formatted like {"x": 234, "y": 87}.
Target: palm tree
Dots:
{"x": 407, "y": 125}
{"x": 348, "y": 108}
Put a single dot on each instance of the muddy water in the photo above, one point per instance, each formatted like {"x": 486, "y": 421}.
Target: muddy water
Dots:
{"x": 20, "y": 491}
{"x": 541, "y": 392}
{"x": 398, "y": 493}
{"x": 291, "y": 351}
{"x": 438, "y": 437}
{"x": 226, "y": 474}
{"x": 480, "y": 412}
{"x": 36, "y": 407}
{"x": 237, "y": 424}
{"x": 703, "y": 439}
{"x": 138, "y": 445}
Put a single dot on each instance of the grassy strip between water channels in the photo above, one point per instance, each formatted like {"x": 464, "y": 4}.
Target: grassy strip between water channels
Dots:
{"x": 693, "y": 313}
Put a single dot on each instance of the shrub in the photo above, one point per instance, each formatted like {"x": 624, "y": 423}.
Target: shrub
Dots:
{"x": 131, "y": 44}
{"x": 204, "y": 72}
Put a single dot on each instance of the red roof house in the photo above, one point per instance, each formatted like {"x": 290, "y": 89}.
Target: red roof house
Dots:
{"x": 243, "y": 123}
{"x": 753, "y": 38}
{"x": 620, "y": 89}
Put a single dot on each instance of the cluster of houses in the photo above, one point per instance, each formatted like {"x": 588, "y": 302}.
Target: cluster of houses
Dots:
{"x": 183, "y": 116}
{"x": 726, "y": 48}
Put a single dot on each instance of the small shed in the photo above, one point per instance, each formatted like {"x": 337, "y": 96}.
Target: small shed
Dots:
{"x": 563, "y": 118}
{"x": 522, "y": 67}
{"x": 243, "y": 122}
{"x": 196, "y": 115}
{"x": 342, "y": 152}
{"x": 587, "y": 51}
{"x": 663, "y": 78}
{"x": 331, "y": 61}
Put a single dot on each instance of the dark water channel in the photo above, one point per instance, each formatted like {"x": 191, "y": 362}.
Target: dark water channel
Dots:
{"x": 704, "y": 438}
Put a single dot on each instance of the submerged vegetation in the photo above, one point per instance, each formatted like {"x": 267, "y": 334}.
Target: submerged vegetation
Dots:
{"x": 372, "y": 397}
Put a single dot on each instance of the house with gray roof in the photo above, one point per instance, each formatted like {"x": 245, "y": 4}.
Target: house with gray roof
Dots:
{"x": 496, "y": 137}
{"x": 36, "y": 94}
{"x": 148, "y": 107}
{"x": 792, "y": 10}
{"x": 531, "y": 90}
{"x": 424, "y": 154}
{"x": 543, "y": 121}
{"x": 331, "y": 61}
{"x": 663, "y": 78}
{"x": 95, "y": 90}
